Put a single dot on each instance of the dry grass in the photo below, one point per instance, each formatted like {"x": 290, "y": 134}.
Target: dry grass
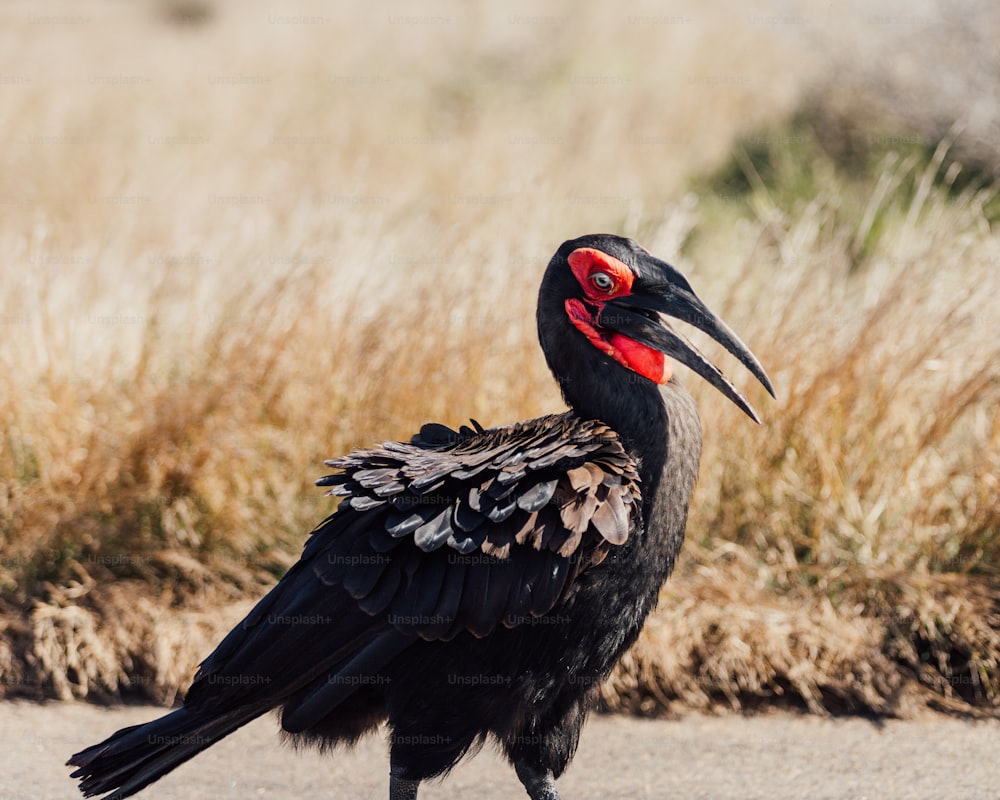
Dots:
{"x": 238, "y": 245}
{"x": 845, "y": 554}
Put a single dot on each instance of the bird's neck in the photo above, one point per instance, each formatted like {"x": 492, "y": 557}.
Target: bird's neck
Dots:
{"x": 636, "y": 410}
{"x": 660, "y": 429}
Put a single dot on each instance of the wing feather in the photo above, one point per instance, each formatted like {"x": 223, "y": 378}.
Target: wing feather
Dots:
{"x": 435, "y": 532}
{"x": 384, "y": 590}
{"x": 537, "y": 496}
{"x": 469, "y": 529}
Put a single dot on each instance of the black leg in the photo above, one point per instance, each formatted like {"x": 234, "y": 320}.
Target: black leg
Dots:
{"x": 402, "y": 788}
{"x": 540, "y": 785}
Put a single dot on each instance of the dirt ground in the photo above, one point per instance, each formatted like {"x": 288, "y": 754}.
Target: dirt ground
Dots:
{"x": 774, "y": 756}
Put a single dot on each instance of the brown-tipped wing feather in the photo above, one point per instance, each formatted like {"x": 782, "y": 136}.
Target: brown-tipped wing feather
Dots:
{"x": 468, "y": 529}
{"x": 451, "y": 532}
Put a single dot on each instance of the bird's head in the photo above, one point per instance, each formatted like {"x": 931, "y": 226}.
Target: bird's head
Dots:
{"x": 607, "y": 294}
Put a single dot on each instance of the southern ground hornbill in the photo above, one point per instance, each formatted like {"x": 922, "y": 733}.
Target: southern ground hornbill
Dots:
{"x": 477, "y": 584}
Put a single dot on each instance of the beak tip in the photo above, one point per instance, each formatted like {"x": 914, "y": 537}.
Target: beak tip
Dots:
{"x": 750, "y": 411}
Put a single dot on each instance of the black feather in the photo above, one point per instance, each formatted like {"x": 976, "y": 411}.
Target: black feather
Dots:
{"x": 502, "y": 509}
{"x": 466, "y": 518}
{"x": 360, "y": 502}
{"x": 384, "y": 590}
{"x": 523, "y": 559}
{"x": 401, "y": 523}
{"x": 434, "y": 533}
{"x": 537, "y": 496}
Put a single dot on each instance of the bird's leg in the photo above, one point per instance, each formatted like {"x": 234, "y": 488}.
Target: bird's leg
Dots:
{"x": 540, "y": 785}
{"x": 401, "y": 788}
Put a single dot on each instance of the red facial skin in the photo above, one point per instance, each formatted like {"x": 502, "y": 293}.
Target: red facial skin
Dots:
{"x": 585, "y": 263}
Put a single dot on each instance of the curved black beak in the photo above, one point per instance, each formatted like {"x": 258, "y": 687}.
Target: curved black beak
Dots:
{"x": 637, "y": 316}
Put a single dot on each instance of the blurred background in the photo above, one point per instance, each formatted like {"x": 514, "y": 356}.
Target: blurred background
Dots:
{"x": 239, "y": 238}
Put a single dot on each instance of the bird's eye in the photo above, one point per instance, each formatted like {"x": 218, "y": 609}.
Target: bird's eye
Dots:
{"x": 602, "y": 281}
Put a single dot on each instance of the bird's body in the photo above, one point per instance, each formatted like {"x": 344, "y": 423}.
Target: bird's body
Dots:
{"x": 473, "y": 584}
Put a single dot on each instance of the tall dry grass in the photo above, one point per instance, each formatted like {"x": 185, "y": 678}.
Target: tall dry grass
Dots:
{"x": 845, "y": 554}
{"x": 239, "y": 242}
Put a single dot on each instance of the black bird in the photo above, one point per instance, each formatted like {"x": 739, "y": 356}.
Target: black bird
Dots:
{"x": 477, "y": 584}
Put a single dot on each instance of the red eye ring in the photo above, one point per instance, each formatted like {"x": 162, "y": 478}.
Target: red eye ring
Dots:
{"x": 588, "y": 262}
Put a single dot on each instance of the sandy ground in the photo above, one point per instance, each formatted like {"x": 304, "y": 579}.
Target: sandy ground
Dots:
{"x": 775, "y": 756}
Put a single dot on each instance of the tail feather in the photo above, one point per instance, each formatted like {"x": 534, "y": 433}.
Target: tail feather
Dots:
{"x": 134, "y": 757}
